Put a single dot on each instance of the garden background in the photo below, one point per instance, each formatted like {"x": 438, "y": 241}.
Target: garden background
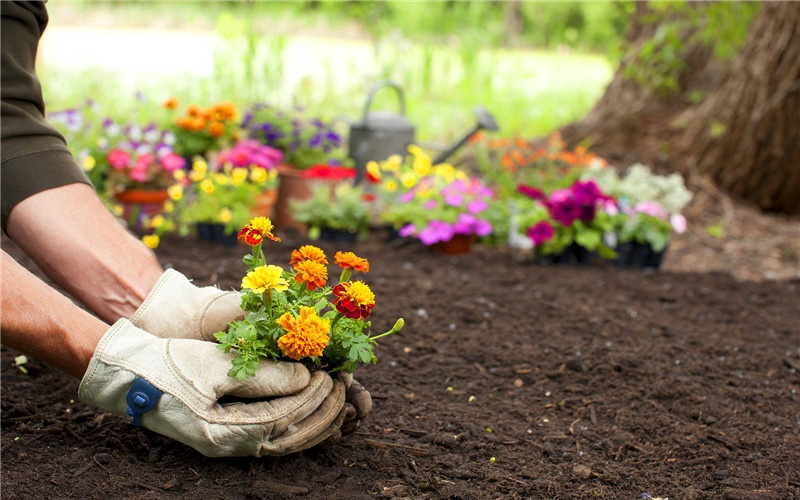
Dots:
{"x": 603, "y": 381}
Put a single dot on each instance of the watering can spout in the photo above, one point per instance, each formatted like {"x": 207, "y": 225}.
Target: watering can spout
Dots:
{"x": 485, "y": 121}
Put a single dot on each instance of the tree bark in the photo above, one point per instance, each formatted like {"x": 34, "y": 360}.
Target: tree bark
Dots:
{"x": 744, "y": 136}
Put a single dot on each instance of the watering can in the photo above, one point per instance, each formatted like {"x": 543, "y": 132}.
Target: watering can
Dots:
{"x": 381, "y": 134}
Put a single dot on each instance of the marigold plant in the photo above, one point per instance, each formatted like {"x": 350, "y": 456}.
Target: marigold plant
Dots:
{"x": 296, "y": 314}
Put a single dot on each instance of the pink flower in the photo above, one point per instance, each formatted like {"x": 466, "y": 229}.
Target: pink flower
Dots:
{"x": 172, "y": 162}
{"x": 678, "y": 222}
{"x": 651, "y": 208}
{"x": 118, "y": 159}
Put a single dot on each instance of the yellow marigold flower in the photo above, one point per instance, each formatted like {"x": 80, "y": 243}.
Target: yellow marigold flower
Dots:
{"x": 408, "y": 180}
{"x": 89, "y": 163}
{"x": 391, "y": 186}
{"x": 308, "y": 252}
{"x": 307, "y": 335}
{"x": 239, "y": 175}
{"x": 354, "y": 299}
{"x": 169, "y": 207}
{"x": 175, "y": 192}
{"x": 352, "y": 261}
{"x": 225, "y": 215}
{"x": 312, "y": 274}
{"x": 393, "y": 163}
{"x": 415, "y": 150}
{"x": 258, "y": 229}
{"x": 157, "y": 221}
{"x": 207, "y": 186}
{"x": 118, "y": 210}
{"x": 151, "y": 240}
{"x": 265, "y": 278}
{"x": 221, "y": 179}
{"x": 374, "y": 170}
{"x": 258, "y": 175}
{"x": 179, "y": 175}
{"x": 422, "y": 166}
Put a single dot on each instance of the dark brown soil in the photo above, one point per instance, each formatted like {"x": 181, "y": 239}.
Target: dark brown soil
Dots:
{"x": 510, "y": 380}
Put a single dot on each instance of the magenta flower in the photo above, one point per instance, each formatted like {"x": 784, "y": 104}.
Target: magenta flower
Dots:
{"x": 172, "y": 162}
{"x": 541, "y": 232}
{"x": 118, "y": 159}
{"x": 435, "y": 232}
{"x": 530, "y": 192}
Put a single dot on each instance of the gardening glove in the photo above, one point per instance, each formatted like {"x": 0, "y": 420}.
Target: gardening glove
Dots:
{"x": 175, "y": 308}
{"x": 290, "y": 409}
{"x": 359, "y": 398}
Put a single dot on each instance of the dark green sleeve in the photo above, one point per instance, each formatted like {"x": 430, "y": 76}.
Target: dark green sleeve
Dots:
{"x": 35, "y": 156}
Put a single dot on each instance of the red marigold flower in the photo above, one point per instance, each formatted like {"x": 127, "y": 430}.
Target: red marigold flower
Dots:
{"x": 354, "y": 299}
{"x": 349, "y": 260}
{"x": 258, "y": 229}
{"x": 308, "y": 252}
{"x": 312, "y": 274}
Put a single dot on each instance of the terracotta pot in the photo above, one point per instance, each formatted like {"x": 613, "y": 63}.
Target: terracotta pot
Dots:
{"x": 292, "y": 186}
{"x": 140, "y": 203}
{"x": 460, "y": 243}
{"x": 265, "y": 204}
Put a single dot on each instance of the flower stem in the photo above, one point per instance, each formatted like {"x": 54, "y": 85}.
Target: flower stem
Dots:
{"x": 398, "y": 325}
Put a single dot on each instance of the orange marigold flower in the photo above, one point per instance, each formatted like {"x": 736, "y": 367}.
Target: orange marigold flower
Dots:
{"x": 312, "y": 273}
{"x": 216, "y": 129}
{"x": 258, "y": 229}
{"x": 171, "y": 103}
{"x": 349, "y": 260}
{"x": 193, "y": 110}
{"x": 307, "y": 335}
{"x": 354, "y": 299}
{"x": 308, "y": 252}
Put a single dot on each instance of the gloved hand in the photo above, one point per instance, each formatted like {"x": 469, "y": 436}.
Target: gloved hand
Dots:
{"x": 295, "y": 410}
{"x": 359, "y": 398}
{"x": 176, "y": 308}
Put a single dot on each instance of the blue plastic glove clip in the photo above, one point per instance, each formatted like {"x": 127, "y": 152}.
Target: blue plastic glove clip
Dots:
{"x": 141, "y": 398}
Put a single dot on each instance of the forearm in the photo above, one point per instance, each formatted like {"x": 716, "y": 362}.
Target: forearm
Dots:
{"x": 79, "y": 245}
{"x": 43, "y": 323}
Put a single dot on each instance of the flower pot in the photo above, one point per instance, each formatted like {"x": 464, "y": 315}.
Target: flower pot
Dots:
{"x": 292, "y": 185}
{"x": 458, "y": 244}
{"x": 337, "y": 235}
{"x": 573, "y": 254}
{"x": 215, "y": 233}
{"x": 140, "y": 203}
{"x": 264, "y": 205}
{"x": 639, "y": 255}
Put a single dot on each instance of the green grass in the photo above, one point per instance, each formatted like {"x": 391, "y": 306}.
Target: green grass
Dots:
{"x": 529, "y": 92}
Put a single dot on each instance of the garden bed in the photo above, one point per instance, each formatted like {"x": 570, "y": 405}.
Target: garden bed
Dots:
{"x": 510, "y": 380}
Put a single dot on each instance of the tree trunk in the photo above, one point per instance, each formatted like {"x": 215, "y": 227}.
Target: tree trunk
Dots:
{"x": 745, "y": 134}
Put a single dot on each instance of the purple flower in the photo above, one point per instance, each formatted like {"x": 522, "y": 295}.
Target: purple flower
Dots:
{"x": 407, "y": 230}
{"x": 477, "y": 206}
{"x": 435, "y": 232}
{"x": 430, "y": 204}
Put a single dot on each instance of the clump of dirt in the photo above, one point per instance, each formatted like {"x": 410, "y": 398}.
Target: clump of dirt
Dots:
{"x": 510, "y": 380}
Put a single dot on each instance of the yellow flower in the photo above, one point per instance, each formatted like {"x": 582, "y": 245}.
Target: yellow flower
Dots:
{"x": 258, "y": 175}
{"x": 151, "y": 240}
{"x": 118, "y": 210}
{"x": 422, "y": 165}
{"x": 225, "y": 215}
{"x": 199, "y": 170}
{"x": 207, "y": 186}
{"x": 408, "y": 180}
{"x": 89, "y": 163}
{"x": 169, "y": 207}
{"x": 179, "y": 175}
{"x": 239, "y": 175}
{"x": 256, "y": 230}
{"x": 265, "y": 278}
{"x": 221, "y": 179}
{"x": 157, "y": 221}
{"x": 391, "y": 186}
{"x": 307, "y": 335}
{"x": 175, "y": 192}
{"x": 374, "y": 170}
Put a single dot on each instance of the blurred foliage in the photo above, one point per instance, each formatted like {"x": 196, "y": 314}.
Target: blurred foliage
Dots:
{"x": 659, "y": 62}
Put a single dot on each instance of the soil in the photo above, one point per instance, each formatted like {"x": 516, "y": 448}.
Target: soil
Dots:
{"x": 510, "y": 380}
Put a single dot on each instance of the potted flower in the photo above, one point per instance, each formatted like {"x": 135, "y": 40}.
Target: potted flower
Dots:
{"x": 650, "y": 212}
{"x": 439, "y": 205}
{"x": 202, "y": 131}
{"x": 256, "y": 157}
{"x": 296, "y": 314}
{"x": 216, "y": 201}
{"x": 569, "y": 224}
{"x": 337, "y": 210}
{"x": 305, "y": 141}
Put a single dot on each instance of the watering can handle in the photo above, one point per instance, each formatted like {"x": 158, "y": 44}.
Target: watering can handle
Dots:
{"x": 378, "y": 86}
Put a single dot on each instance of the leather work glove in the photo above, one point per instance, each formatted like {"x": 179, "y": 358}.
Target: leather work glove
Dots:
{"x": 359, "y": 398}
{"x": 176, "y": 308}
{"x": 291, "y": 410}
